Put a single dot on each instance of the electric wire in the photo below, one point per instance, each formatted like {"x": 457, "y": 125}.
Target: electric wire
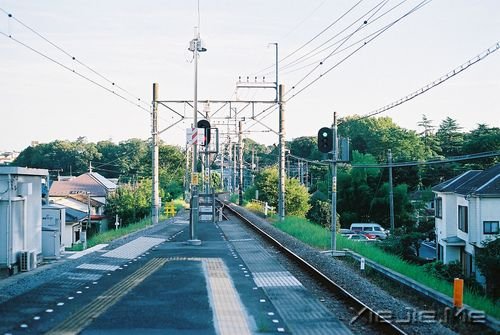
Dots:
{"x": 420, "y": 5}
{"x": 73, "y": 57}
{"x": 436, "y": 82}
{"x": 344, "y": 41}
{"x": 312, "y": 39}
{"x": 314, "y": 52}
{"x": 451, "y": 159}
{"x": 74, "y": 71}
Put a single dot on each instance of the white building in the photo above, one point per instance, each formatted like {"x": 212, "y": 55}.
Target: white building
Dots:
{"x": 467, "y": 214}
{"x": 20, "y": 213}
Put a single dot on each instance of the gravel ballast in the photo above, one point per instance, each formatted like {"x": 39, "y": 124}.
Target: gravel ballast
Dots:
{"x": 359, "y": 286}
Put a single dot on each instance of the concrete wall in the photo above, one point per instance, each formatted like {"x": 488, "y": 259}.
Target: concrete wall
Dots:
{"x": 20, "y": 212}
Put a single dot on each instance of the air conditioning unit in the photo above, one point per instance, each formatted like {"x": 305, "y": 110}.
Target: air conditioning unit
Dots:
{"x": 27, "y": 260}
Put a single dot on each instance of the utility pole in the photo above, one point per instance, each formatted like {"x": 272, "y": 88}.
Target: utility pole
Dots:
{"x": 281, "y": 191}
{"x": 391, "y": 193}
{"x": 234, "y": 167}
{"x": 240, "y": 162}
{"x": 334, "y": 184}
{"x": 222, "y": 168}
{"x": 155, "y": 208}
{"x": 186, "y": 174}
{"x": 253, "y": 164}
{"x": 195, "y": 46}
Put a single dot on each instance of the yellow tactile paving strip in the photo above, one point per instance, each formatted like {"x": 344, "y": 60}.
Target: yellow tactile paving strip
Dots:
{"x": 75, "y": 324}
{"x": 229, "y": 315}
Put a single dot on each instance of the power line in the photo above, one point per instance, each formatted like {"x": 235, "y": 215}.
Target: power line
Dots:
{"x": 74, "y": 71}
{"x": 412, "y": 163}
{"x": 344, "y": 41}
{"x": 314, "y": 52}
{"x": 313, "y": 38}
{"x": 74, "y": 59}
{"x": 420, "y": 5}
{"x": 436, "y": 82}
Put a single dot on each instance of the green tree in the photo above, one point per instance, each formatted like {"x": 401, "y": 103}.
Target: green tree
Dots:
{"x": 131, "y": 203}
{"x": 296, "y": 198}
{"x": 305, "y": 147}
{"x": 71, "y": 157}
{"x": 428, "y": 137}
{"x": 488, "y": 262}
{"x": 482, "y": 139}
{"x": 296, "y": 195}
{"x": 450, "y": 137}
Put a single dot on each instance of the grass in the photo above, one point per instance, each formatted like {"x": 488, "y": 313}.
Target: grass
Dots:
{"x": 320, "y": 238}
{"x": 111, "y": 235}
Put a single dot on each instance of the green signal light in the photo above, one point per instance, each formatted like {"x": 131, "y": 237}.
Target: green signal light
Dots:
{"x": 325, "y": 134}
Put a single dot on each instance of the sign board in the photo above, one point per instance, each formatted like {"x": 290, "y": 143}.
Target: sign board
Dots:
{"x": 206, "y": 209}
{"x": 195, "y": 136}
{"x": 194, "y": 179}
{"x": 206, "y": 217}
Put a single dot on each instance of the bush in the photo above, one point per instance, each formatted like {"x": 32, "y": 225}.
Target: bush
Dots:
{"x": 321, "y": 211}
{"x": 488, "y": 262}
{"x": 296, "y": 195}
{"x": 405, "y": 246}
{"x": 446, "y": 272}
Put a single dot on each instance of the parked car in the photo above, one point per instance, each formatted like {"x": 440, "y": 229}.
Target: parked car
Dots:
{"x": 372, "y": 228}
{"x": 370, "y": 235}
{"x": 346, "y": 232}
{"x": 360, "y": 238}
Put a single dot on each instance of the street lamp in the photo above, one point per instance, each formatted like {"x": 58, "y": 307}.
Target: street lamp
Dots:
{"x": 196, "y": 45}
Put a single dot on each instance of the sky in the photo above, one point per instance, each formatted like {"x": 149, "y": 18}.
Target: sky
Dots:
{"x": 137, "y": 43}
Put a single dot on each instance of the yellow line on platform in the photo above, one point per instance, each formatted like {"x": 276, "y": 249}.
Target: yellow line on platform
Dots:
{"x": 82, "y": 318}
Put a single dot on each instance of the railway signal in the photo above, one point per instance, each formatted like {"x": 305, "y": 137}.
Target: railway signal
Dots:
{"x": 205, "y": 124}
{"x": 325, "y": 139}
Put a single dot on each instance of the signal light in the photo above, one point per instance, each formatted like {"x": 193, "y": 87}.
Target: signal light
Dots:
{"x": 206, "y": 125}
{"x": 325, "y": 139}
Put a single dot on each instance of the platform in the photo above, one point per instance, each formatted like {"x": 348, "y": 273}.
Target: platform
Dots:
{"x": 156, "y": 283}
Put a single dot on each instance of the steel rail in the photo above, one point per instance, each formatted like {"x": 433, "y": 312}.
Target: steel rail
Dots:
{"x": 366, "y": 312}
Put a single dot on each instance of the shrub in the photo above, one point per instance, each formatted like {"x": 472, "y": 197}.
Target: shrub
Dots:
{"x": 447, "y": 272}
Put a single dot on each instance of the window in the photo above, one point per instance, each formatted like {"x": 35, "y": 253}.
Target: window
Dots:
{"x": 490, "y": 227}
{"x": 439, "y": 207}
{"x": 463, "y": 223}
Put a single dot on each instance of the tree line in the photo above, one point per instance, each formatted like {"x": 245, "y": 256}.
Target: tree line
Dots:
{"x": 129, "y": 162}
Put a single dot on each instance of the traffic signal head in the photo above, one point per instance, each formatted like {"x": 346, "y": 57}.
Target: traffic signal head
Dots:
{"x": 325, "y": 139}
{"x": 206, "y": 125}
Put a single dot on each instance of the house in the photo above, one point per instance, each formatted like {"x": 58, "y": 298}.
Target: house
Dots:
{"x": 85, "y": 193}
{"x": 467, "y": 212}
{"x": 20, "y": 217}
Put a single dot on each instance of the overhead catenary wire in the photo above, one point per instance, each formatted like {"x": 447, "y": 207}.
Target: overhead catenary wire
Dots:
{"x": 137, "y": 99}
{"x": 451, "y": 159}
{"x": 74, "y": 71}
{"x": 316, "y": 52}
{"x": 376, "y": 9}
{"x": 313, "y": 38}
{"x": 420, "y": 5}
{"x": 435, "y": 83}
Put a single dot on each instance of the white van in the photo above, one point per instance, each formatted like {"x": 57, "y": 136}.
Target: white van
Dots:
{"x": 372, "y": 228}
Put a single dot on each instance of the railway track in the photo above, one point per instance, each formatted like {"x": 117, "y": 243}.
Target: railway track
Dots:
{"x": 368, "y": 313}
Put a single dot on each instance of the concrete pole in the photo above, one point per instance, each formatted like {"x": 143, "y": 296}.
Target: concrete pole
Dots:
{"x": 240, "y": 162}
{"x": 281, "y": 191}
{"x": 253, "y": 164}
{"x": 155, "y": 208}
{"x": 334, "y": 184}
{"x": 193, "y": 223}
{"x": 391, "y": 192}
{"x": 222, "y": 168}
{"x": 234, "y": 167}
